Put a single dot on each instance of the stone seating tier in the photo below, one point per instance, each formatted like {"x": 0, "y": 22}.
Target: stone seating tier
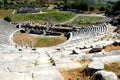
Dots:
{"x": 91, "y": 33}
{"x": 6, "y": 30}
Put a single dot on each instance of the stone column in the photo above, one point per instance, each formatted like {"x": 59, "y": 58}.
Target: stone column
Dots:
{"x": 16, "y": 46}
{"x": 44, "y": 33}
{"x": 21, "y": 43}
{"x": 31, "y": 44}
{"x": 26, "y": 46}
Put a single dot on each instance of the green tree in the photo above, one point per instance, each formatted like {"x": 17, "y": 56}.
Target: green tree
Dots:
{"x": 58, "y": 5}
{"x": 1, "y": 4}
{"x": 108, "y": 9}
{"x": 88, "y": 1}
{"x": 65, "y": 4}
{"x": 102, "y": 9}
{"x": 5, "y": 1}
{"x": 84, "y": 6}
{"x": 116, "y": 8}
{"x": 40, "y": 3}
{"x": 11, "y": 5}
{"x": 92, "y": 8}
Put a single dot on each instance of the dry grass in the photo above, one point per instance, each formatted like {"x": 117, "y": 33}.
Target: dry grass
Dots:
{"x": 49, "y": 41}
{"x": 95, "y": 11}
{"x": 80, "y": 74}
{"x": 111, "y": 47}
{"x": 4, "y": 13}
{"x": 38, "y": 41}
{"x": 77, "y": 74}
{"x": 114, "y": 67}
{"x": 84, "y": 62}
{"x": 26, "y": 39}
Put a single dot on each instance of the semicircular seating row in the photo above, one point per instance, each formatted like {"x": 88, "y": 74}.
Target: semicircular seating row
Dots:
{"x": 6, "y": 29}
{"x": 86, "y": 35}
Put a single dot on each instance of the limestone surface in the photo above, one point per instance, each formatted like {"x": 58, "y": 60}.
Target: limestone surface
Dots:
{"x": 104, "y": 75}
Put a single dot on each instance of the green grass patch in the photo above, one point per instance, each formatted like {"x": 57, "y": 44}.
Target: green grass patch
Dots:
{"x": 52, "y": 17}
{"x": 85, "y": 20}
{"x": 49, "y": 10}
{"x": 48, "y": 41}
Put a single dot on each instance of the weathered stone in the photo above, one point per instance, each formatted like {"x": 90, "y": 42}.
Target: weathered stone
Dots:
{"x": 104, "y": 75}
{"x": 15, "y": 76}
{"x": 9, "y": 57}
{"x": 94, "y": 66}
{"x": 68, "y": 65}
{"x": 22, "y": 66}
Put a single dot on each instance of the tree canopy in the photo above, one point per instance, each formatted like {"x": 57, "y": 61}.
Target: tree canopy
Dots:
{"x": 115, "y": 10}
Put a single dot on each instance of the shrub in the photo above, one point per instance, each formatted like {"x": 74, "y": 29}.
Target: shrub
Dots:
{"x": 102, "y": 9}
{"x": 36, "y": 63}
{"x": 52, "y": 61}
{"x": 7, "y": 18}
{"x": 106, "y": 66}
{"x": 92, "y": 8}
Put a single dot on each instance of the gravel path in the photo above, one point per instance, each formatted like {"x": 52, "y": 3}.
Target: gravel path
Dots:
{"x": 71, "y": 19}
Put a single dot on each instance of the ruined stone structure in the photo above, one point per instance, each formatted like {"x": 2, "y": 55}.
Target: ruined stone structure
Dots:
{"x": 28, "y": 64}
{"x": 28, "y": 10}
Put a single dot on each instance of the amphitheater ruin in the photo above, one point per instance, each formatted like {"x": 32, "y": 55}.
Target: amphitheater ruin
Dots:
{"x": 20, "y": 63}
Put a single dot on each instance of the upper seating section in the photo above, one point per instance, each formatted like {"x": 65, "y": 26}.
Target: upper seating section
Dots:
{"x": 90, "y": 32}
{"x": 6, "y": 28}
{"x": 4, "y": 39}
{"x": 87, "y": 34}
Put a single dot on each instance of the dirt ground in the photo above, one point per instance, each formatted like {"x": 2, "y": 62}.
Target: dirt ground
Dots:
{"x": 38, "y": 41}
{"x": 26, "y": 39}
{"x": 111, "y": 47}
{"x": 80, "y": 74}
{"x": 77, "y": 74}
